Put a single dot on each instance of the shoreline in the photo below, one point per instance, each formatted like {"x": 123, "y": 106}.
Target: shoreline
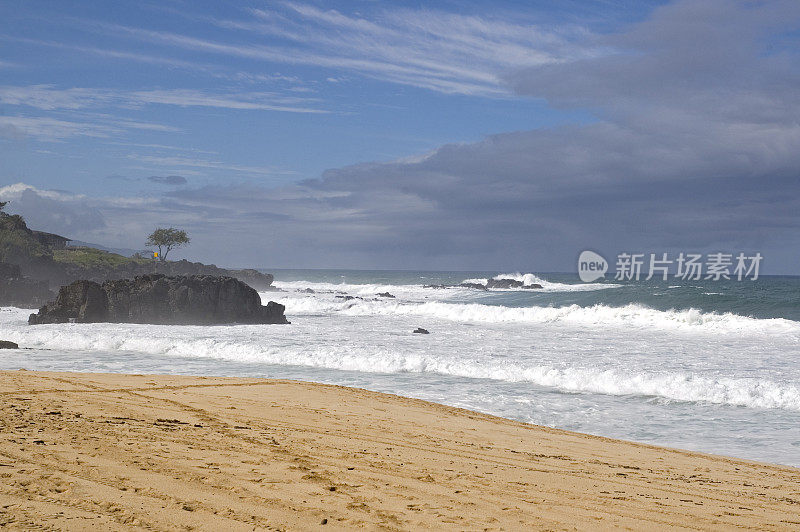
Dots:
{"x": 113, "y": 451}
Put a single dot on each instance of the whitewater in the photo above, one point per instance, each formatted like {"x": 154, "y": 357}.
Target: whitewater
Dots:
{"x": 698, "y": 365}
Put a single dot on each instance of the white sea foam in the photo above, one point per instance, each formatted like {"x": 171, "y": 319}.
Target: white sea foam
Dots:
{"x": 408, "y": 291}
{"x": 276, "y": 345}
{"x": 596, "y": 316}
{"x": 416, "y": 291}
{"x": 529, "y": 279}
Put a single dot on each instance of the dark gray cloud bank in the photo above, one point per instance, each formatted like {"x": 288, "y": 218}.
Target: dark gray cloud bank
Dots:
{"x": 696, "y": 147}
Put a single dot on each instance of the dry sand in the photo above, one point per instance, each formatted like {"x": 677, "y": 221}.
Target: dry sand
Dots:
{"x": 90, "y": 451}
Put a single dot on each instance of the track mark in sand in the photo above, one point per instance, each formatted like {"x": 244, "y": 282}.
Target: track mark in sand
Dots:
{"x": 301, "y": 460}
{"x": 229, "y": 431}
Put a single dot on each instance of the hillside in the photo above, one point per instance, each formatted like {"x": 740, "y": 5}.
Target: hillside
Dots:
{"x": 86, "y": 257}
{"x": 18, "y": 243}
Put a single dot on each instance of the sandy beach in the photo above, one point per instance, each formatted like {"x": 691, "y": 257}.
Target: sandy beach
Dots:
{"x": 105, "y": 452}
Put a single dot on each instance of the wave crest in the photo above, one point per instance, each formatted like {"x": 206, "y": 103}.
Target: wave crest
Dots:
{"x": 630, "y": 315}
{"x": 529, "y": 279}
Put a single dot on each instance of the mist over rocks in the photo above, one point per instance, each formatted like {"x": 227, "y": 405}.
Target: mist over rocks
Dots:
{"x": 18, "y": 290}
{"x": 159, "y": 299}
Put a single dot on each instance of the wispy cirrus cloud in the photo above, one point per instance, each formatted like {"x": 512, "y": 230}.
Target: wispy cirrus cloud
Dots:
{"x": 93, "y": 125}
{"x": 49, "y": 98}
{"x": 162, "y": 162}
{"x": 51, "y": 129}
{"x": 435, "y": 50}
{"x": 219, "y": 71}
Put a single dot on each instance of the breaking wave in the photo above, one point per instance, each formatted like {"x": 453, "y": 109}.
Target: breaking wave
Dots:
{"x": 529, "y": 279}
{"x": 630, "y": 315}
{"x": 247, "y": 344}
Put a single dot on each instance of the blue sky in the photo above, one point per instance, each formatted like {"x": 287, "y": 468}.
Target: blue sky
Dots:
{"x": 455, "y": 135}
{"x": 140, "y": 89}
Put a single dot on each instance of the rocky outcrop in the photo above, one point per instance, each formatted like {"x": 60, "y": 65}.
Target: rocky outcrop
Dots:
{"x": 5, "y": 344}
{"x": 510, "y": 283}
{"x": 420, "y": 330}
{"x": 475, "y": 286}
{"x": 36, "y": 252}
{"x": 504, "y": 283}
{"x": 19, "y": 291}
{"x": 159, "y": 299}
{"x": 490, "y": 284}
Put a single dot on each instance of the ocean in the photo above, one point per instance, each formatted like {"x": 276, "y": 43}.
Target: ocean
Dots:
{"x": 711, "y": 366}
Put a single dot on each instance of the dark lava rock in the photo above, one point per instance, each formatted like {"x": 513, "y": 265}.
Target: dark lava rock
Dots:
{"x": 438, "y": 286}
{"x": 307, "y": 291}
{"x": 5, "y": 344}
{"x": 476, "y": 286}
{"x": 158, "y": 299}
{"x": 420, "y": 330}
{"x": 348, "y": 298}
{"x": 532, "y": 286}
{"x": 385, "y": 294}
{"x": 504, "y": 283}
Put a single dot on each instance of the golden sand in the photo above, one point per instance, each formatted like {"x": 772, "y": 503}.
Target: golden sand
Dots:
{"x": 106, "y": 452}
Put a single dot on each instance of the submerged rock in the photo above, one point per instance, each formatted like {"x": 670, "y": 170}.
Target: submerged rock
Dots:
{"x": 385, "y": 294}
{"x": 476, "y": 286}
{"x": 348, "y": 298}
{"x": 504, "y": 283}
{"x": 510, "y": 283}
{"x": 158, "y": 299}
{"x": 5, "y": 344}
{"x": 420, "y": 330}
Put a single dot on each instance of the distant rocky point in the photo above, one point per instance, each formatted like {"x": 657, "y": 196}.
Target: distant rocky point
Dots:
{"x": 490, "y": 284}
{"x": 159, "y": 299}
{"x": 33, "y": 262}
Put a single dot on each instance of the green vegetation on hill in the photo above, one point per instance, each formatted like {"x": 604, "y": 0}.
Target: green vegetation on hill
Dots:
{"x": 17, "y": 241}
{"x": 85, "y": 257}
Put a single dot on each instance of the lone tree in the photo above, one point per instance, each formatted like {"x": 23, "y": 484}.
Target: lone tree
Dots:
{"x": 167, "y": 239}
